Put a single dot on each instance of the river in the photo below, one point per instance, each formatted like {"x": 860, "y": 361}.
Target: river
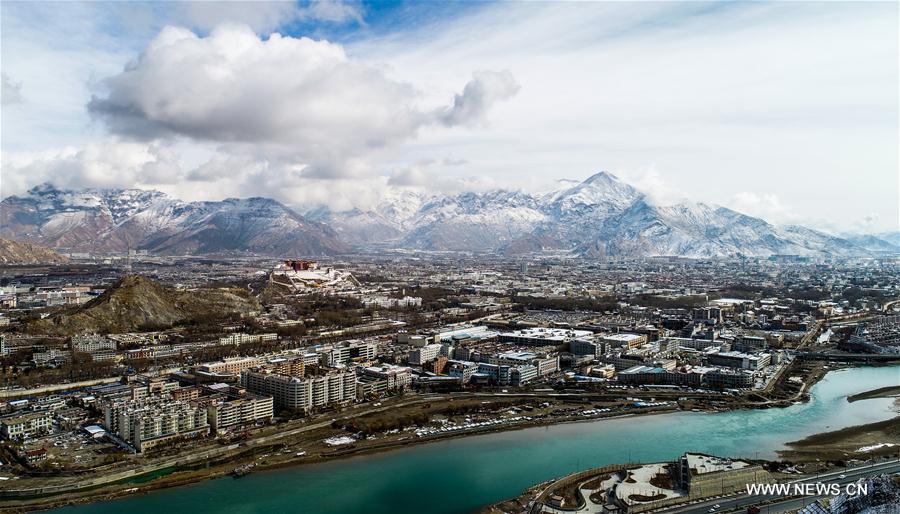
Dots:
{"x": 457, "y": 476}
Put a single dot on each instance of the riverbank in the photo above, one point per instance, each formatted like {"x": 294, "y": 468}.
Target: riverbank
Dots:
{"x": 276, "y": 460}
{"x": 881, "y": 392}
{"x": 858, "y": 442}
{"x": 267, "y": 457}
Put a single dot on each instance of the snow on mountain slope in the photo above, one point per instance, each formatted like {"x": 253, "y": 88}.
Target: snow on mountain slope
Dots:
{"x": 474, "y": 221}
{"x": 104, "y": 220}
{"x": 601, "y": 215}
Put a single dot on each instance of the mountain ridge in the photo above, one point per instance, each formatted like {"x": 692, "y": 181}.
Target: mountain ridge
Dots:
{"x": 601, "y": 215}
{"x": 116, "y": 220}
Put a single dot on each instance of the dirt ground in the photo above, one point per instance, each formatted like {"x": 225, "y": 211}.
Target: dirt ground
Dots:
{"x": 845, "y": 444}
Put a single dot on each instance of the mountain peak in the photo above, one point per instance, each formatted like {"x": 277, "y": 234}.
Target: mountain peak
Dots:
{"x": 44, "y": 189}
{"x": 601, "y": 177}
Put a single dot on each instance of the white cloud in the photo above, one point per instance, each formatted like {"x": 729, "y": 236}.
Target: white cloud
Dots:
{"x": 484, "y": 90}
{"x": 652, "y": 183}
{"x": 293, "y": 100}
{"x": 109, "y": 163}
{"x": 792, "y": 99}
{"x": 335, "y": 11}
{"x": 11, "y": 92}
{"x": 767, "y": 206}
{"x": 264, "y": 16}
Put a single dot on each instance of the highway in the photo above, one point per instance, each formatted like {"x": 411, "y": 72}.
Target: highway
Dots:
{"x": 741, "y": 501}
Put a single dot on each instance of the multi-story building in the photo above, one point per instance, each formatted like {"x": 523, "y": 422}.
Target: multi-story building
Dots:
{"x": 624, "y": 340}
{"x": 295, "y": 367}
{"x": 436, "y": 366}
{"x": 26, "y": 425}
{"x": 397, "y": 377}
{"x": 150, "y": 423}
{"x": 230, "y": 413}
{"x": 241, "y": 338}
{"x": 232, "y": 365}
{"x": 302, "y": 393}
{"x": 740, "y": 360}
{"x": 427, "y": 353}
{"x": 92, "y": 343}
{"x": 545, "y": 364}
{"x": 587, "y": 347}
{"x": 346, "y": 351}
{"x": 542, "y": 336}
{"x": 728, "y": 379}
{"x": 522, "y": 375}
{"x": 462, "y": 369}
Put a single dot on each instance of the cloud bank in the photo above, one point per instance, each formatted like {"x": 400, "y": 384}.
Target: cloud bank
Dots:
{"x": 288, "y": 99}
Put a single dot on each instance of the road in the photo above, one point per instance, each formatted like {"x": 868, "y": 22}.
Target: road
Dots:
{"x": 742, "y": 501}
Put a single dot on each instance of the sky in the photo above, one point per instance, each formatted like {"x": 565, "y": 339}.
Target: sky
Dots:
{"x": 783, "y": 110}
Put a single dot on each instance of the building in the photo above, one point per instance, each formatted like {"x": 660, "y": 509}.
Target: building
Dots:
{"x": 241, "y": 338}
{"x": 91, "y": 343}
{"x": 436, "y": 366}
{"x": 232, "y": 365}
{"x": 145, "y": 424}
{"x": 25, "y": 426}
{"x": 396, "y": 377}
{"x": 739, "y": 360}
{"x": 587, "y": 347}
{"x": 302, "y": 393}
{"x": 348, "y": 351}
{"x": 649, "y": 375}
{"x": 545, "y": 364}
{"x": 542, "y": 336}
{"x": 386, "y": 302}
{"x": 624, "y": 340}
{"x": 231, "y": 413}
{"x": 747, "y": 343}
{"x": 463, "y": 370}
{"x": 295, "y": 367}
{"x": 522, "y": 375}
{"x": 427, "y": 353}
{"x": 728, "y": 379}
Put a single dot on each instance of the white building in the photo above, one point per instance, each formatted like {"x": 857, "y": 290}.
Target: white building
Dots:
{"x": 236, "y": 412}
{"x": 427, "y": 353}
{"x": 302, "y": 394}
{"x": 542, "y": 336}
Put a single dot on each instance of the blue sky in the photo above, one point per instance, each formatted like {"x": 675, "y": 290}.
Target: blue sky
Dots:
{"x": 785, "y": 110}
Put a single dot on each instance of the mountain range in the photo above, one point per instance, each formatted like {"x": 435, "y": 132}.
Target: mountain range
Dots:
{"x": 599, "y": 216}
{"x": 114, "y": 220}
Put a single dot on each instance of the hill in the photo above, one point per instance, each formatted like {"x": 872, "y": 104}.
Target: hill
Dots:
{"x": 12, "y": 252}
{"x": 136, "y": 303}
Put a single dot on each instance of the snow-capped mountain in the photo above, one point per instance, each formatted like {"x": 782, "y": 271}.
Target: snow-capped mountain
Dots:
{"x": 389, "y": 220}
{"x": 474, "y": 221}
{"x": 103, "y": 220}
{"x": 878, "y": 243}
{"x": 598, "y": 216}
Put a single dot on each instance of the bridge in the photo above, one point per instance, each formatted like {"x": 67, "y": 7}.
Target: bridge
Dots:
{"x": 848, "y": 357}
{"x": 890, "y": 305}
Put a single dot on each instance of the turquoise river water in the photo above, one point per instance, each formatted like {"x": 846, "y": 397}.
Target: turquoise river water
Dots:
{"x": 458, "y": 476}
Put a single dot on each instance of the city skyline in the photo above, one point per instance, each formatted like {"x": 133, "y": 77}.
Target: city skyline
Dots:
{"x": 783, "y": 111}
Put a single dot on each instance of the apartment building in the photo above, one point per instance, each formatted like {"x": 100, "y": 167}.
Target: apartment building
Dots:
{"x": 241, "y": 338}
{"x": 25, "y": 426}
{"x": 232, "y": 365}
{"x": 229, "y": 413}
{"x": 302, "y": 393}
{"x": 427, "y": 353}
{"x": 149, "y": 423}
{"x": 347, "y": 351}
